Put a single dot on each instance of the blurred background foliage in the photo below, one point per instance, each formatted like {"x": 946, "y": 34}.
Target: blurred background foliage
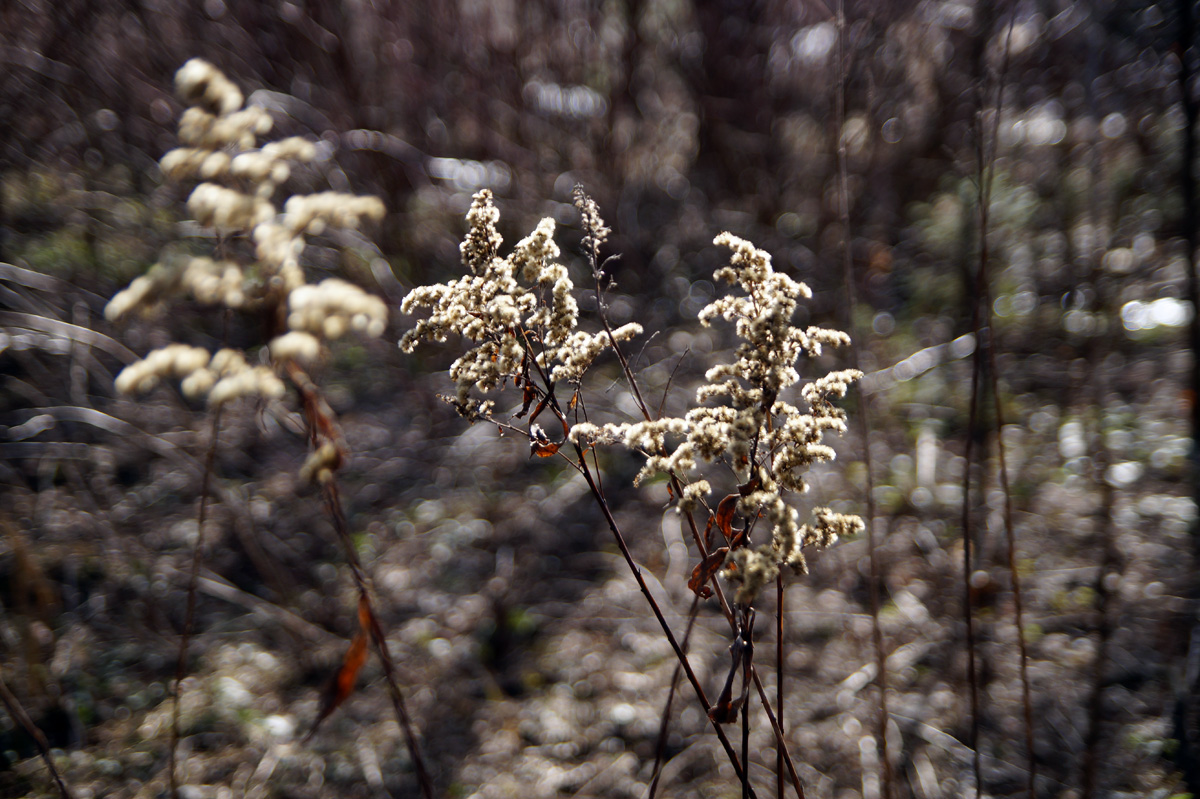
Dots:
{"x": 682, "y": 118}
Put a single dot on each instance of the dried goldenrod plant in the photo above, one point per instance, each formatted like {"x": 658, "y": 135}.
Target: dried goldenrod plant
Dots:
{"x": 519, "y": 318}
{"x": 237, "y": 181}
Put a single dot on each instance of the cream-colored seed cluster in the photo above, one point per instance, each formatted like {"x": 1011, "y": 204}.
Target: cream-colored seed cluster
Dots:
{"x": 312, "y": 213}
{"x": 233, "y": 378}
{"x": 503, "y": 305}
{"x": 203, "y": 86}
{"x": 144, "y": 294}
{"x": 332, "y": 307}
{"x": 296, "y": 346}
{"x": 174, "y": 360}
{"x": 215, "y": 282}
{"x": 752, "y": 429}
{"x": 237, "y": 181}
{"x": 766, "y": 440}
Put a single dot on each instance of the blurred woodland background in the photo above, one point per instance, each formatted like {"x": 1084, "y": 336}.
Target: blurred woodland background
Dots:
{"x": 530, "y": 663}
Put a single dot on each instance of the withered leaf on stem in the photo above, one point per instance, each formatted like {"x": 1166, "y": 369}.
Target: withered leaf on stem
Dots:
{"x": 342, "y": 684}
{"x": 545, "y": 450}
{"x": 539, "y": 443}
{"x": 725, "y": 711}
{"x": 705, "y": 570}
{"x": 749, "y": 487}
{"x": 529, "y": 395}
{"x": 724, "y": 515}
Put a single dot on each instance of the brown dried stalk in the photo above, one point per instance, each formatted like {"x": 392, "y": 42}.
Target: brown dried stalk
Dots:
{"x": 18, "y": 713}
{"x": 321, "y": 425}
{"x": 189, "y": 618}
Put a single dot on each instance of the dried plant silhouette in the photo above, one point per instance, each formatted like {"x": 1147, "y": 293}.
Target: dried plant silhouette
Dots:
{"x": 237, "y": 514}
{"x": 237, "y": 182}
{"x": 520, "y": 314}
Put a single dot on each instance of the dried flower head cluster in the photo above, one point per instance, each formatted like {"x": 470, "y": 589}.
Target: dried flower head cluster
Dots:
{"x": 521, "y": 306}
{"x": 763, "y": 438}
{"x": 237, "y": 181}
{"x": 513, "y": 308}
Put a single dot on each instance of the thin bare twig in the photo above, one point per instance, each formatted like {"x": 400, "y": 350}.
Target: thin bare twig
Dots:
{"x": 986, "y": 344}
{"x": 864, "y": 418}
{"x": 680, "y": 655}
{"x": 18, "y": 713}
{"x": 987, "y": 143}
{"x": 779, "y": 692}
{"x": 660, "y": 746}
{"x": 189, "y": 619}
{"x": 320, "y": 427}
{"x": 333, "y": 504}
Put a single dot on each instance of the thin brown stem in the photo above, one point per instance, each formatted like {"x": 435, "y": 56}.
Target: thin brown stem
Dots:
{"x": 986, "y": 142}
{"x": 972, "y": 426}
{"x": 778, "y": 730}
{"x": 746, "y": 733}
{"x": 321, "y": 430}
{"x": 615, "y": 529}
{"x": 660, "y": 746}
{"x": 779, "y": 607}
{"x": 189, "y": 618}
{"x": 17, "y": 711}
{"x": 333, "y": 504}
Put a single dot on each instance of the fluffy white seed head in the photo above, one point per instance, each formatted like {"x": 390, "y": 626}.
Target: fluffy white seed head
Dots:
{"x": 296, "y": 346}
{"x": 200, "y": 83}
{"x": 173, "y": 360}
{"x": 334, "y": 307}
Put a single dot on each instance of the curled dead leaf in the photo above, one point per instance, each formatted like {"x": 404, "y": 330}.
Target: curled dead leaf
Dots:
{"x": 705, "y": 570}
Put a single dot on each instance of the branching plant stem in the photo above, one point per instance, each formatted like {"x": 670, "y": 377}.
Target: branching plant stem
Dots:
{"x": 984, "y": 330}
{"x": 783, "y": 757}
{"x": 680, "y": 655}
{"x": 779, "y": 693}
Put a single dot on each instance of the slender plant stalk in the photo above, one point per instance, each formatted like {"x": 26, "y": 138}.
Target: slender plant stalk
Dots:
{"x": 864, "y": 422}
{"x": 782, "y": 755}
{"x": 776, "y": 727}
{"x": 593, "y": 481}
{"x": 779, "y": 692}
{"x": 986, "y": 177}
{"x": 660, "y": 745}
{"x": 1014, "y": 572}
{"x": 1188, "y": 758}
{"x": 1095, "y": 705}
{"x": 1109, "y": 558}
{"x": 746, "y": 659}
{"x": 680, "y": 655}
{"x": 984, "y": 344}
{"x": 968, "y": 616}
{"x": 189, "y": 619}
{"x": 333, "y": 504}
{"x": 318, "y": 423}
{"x": 18, "y": 713}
